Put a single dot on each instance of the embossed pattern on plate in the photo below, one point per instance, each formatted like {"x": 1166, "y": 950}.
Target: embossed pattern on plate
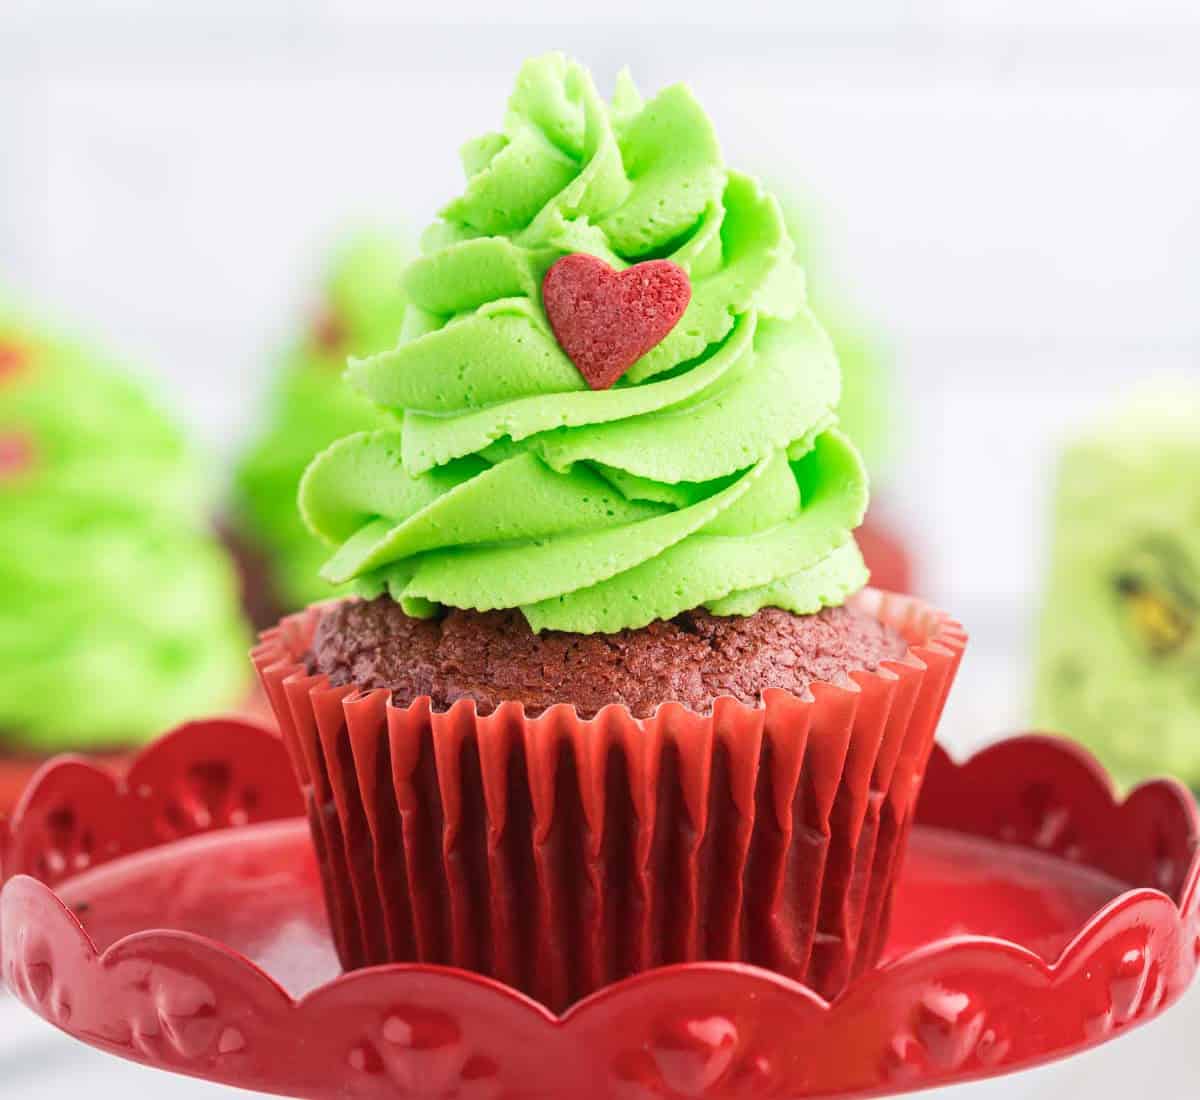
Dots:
{"x": 174, "y": 917}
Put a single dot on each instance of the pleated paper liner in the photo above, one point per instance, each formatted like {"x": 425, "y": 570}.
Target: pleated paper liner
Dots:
{"x": 559, "y": 854}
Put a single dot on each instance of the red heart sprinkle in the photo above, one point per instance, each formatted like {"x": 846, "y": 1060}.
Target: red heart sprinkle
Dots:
{"x": 606, "y": 320}
{"x": 329, "y": 334}
{"x": 12, "y": 359}
{"x": 16, "y": 454}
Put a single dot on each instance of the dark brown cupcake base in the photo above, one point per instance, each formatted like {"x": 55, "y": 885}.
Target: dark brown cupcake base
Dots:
{"x": 694, "y": 659}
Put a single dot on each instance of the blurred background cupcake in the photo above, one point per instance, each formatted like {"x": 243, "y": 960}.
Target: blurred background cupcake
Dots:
{"x": 868, "y": 408}
{"x": 118, "y": 607}
{"x": 1119, "y": 653}
{"x": 359, "y": 312}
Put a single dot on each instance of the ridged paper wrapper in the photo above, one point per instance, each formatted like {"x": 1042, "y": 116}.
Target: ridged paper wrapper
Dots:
{"x": 559, "y": 854}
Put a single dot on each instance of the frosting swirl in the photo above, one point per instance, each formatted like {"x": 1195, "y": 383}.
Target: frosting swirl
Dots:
{"x": 711, "y": 474}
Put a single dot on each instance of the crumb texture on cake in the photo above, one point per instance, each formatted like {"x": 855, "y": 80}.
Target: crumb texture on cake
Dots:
{"x": 693, "y": 659}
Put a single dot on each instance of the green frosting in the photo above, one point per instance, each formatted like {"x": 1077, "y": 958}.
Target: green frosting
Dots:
{"x": 1119, "y": 641}
{"x": 710, "y": 475}
{"x": 310, "y": 407}
{"x": 118, "y": 609}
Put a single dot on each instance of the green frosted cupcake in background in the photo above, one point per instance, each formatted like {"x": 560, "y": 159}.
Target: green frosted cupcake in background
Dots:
{"x": 867, "y": 408}
{"x": 1119, "y": 654}
{"x": 865, "y": 411}
{"x": 118, "y": 608}
{"x": 310, "y": 407}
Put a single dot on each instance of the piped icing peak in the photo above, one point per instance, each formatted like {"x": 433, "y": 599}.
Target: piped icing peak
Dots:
{"x": 710, "y": 474}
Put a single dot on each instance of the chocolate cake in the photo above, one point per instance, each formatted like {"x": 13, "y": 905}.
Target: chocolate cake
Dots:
{"x": 692, "y": 659}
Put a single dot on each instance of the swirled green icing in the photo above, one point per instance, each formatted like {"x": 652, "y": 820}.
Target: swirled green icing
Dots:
{"x": 118, "y": 609}
{"x": 711, "y": 475}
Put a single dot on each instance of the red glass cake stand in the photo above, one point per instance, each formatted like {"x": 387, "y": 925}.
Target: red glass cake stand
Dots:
{"x": 173, "y": 916}
{"x": 16, "y": 771}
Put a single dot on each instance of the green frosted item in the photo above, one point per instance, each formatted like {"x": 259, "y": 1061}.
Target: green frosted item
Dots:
{"x": 712, "y": 474}
{"x": 310, "y": 406}
{"x": 118, "y": 608}
{"x": 1119, "y": 655}
{"x": 866, "y": 411}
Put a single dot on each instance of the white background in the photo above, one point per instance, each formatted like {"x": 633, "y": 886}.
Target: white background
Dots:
{"x": 1009, "y": 191}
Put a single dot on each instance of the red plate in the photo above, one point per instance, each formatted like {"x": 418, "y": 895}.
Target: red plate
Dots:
{"x": 1036, "y": 917}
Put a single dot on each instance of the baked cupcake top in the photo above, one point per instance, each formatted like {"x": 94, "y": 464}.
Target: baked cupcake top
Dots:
{"x": 568, "y": 444}
{"x": 693, "y": 659}
{"x": 118, "y": 611}
{"x": 359, "y": 312}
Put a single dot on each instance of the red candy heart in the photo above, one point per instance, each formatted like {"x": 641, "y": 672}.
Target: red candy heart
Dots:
{"x": 329, "y": 335}
{"x": 16, "y": 454}
{"x": 12, "y": 359}
{"x": 606, "y": 320}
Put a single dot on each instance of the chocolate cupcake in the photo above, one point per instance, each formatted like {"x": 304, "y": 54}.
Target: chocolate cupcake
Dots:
{"x": 610, "y": 694}
{"x": 118, "y": 606}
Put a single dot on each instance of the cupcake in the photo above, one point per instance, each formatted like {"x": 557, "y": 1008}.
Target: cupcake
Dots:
{"x": 609, "y": 693}
{"x": 308, "y": 409}
{"x": 866, "y": 411}
{"x": 1119, "y": 653}
{"x": 868, "y": 398}
{"x": 118, "y": 613}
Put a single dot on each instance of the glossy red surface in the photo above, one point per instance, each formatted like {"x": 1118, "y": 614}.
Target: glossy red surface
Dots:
{"x": 17, "y": 771}
{"x": 15, "y": 774}
{"x": 232, "y": 975}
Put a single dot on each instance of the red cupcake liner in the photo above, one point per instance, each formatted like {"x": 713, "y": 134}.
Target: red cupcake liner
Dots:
{"x": 559, "y": 854}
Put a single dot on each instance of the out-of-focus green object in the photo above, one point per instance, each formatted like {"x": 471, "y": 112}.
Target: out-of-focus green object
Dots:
{"x": 1119, "y": 655}
{"x": 118, "y": 608}
{"x": 310, "y": 407}
{"x": 866, "y": 411}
